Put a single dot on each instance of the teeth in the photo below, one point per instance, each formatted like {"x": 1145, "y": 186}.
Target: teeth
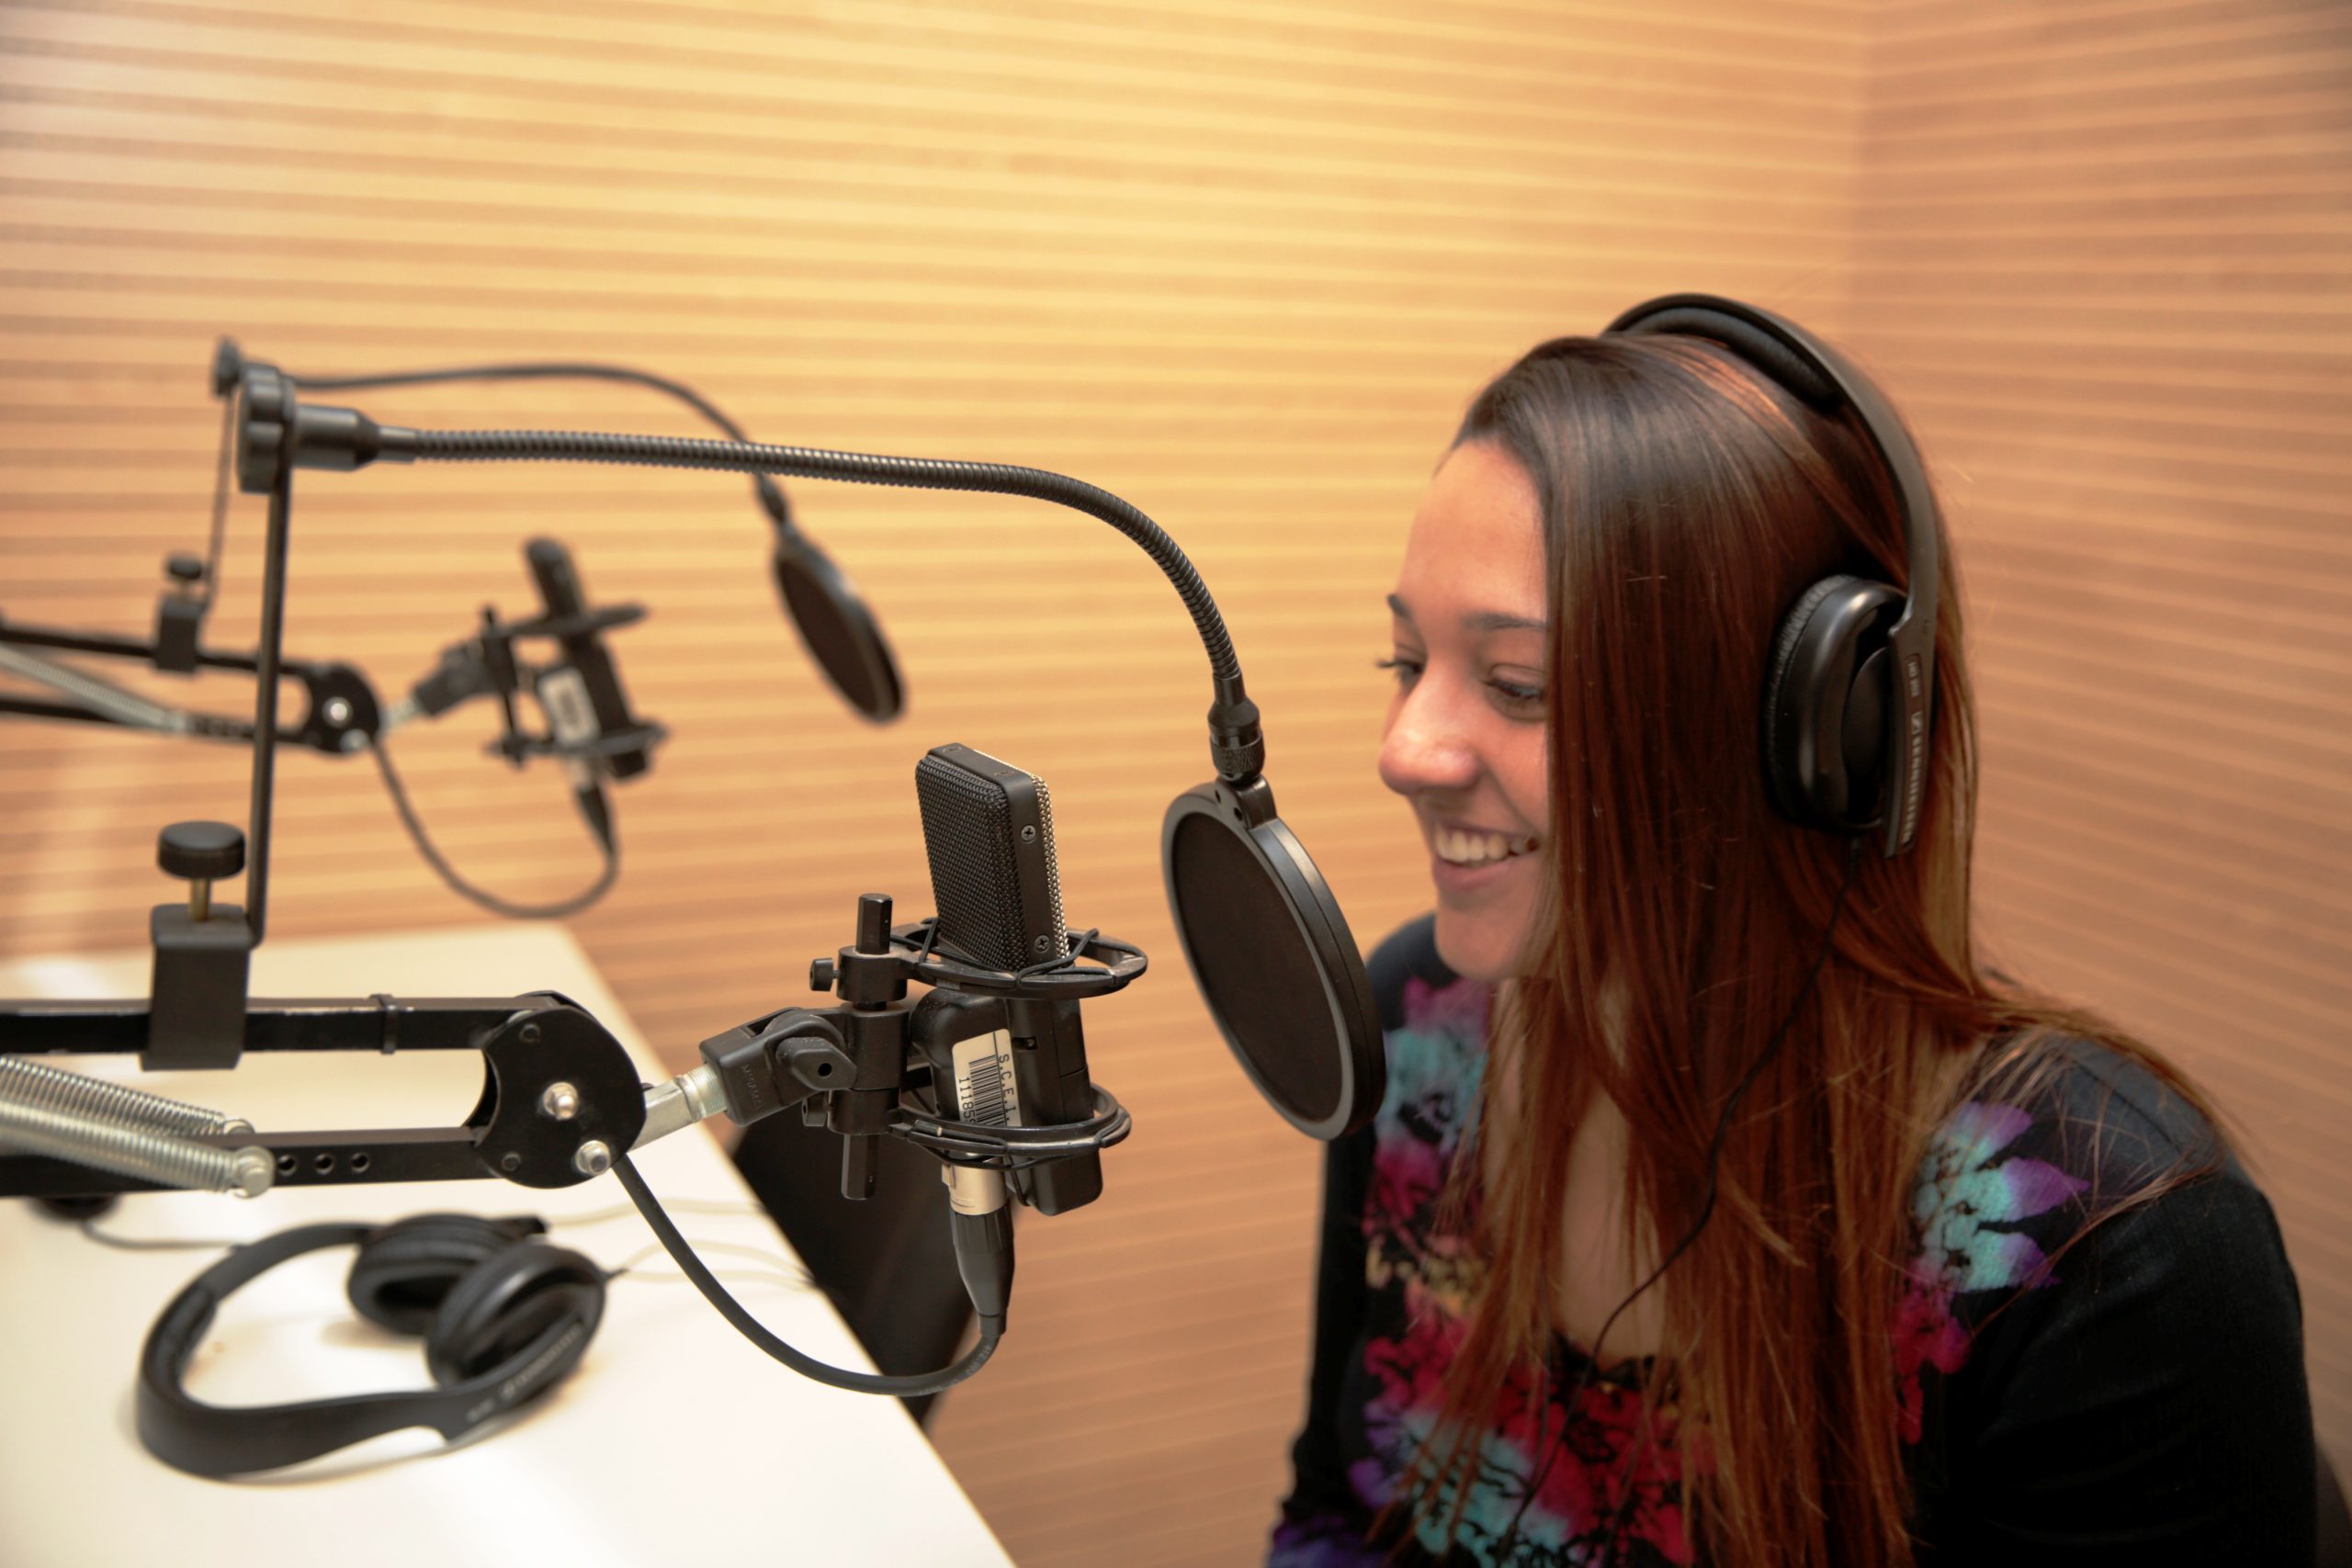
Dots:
{"x": 1456, "y": 847}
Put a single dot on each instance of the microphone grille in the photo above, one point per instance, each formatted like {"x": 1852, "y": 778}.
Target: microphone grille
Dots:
{"x": 987, "y": 831}
{"x": 1058, "y": 946}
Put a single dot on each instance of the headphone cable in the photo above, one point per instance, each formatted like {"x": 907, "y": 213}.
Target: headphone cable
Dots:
{"x": 1706, "y": 1211}
{"x": 610, "y": 848}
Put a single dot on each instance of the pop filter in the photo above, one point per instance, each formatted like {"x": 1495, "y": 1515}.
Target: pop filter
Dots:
{"x": 836, "y": 628}
{"x": 1273, "y": 957}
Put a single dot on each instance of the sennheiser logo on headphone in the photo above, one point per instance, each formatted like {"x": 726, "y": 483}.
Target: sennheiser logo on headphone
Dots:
{"x": 1917, "y": 781}
{"x": 523, "y": 1381}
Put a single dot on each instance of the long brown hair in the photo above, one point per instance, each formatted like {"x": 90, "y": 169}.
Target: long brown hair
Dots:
{"x": 1687, "y": 500}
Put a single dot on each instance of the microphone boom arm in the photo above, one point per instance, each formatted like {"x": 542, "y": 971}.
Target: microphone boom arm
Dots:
{"x": 342, "y": 712}
{"x": 561, "y": 1097}
{"x": 276, "y": 432}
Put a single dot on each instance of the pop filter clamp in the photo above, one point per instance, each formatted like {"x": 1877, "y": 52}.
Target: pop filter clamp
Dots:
{"x": 1266, "y": 940}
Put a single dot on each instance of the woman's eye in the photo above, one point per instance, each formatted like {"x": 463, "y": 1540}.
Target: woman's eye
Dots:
{"x": 1514, "y": 695}
{"x": 1406, "y": 668}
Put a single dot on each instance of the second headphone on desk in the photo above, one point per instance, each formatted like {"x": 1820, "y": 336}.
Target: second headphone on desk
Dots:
{"x": 505, "y": 1316}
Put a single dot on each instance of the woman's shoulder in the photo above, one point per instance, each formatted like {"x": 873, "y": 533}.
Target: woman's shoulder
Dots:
{"x": 2052, "y": 1141}
{"x": 2100, "y": 1334}
{"x": 2106, "y": 1119}
{"x": 2074, "y": 1182}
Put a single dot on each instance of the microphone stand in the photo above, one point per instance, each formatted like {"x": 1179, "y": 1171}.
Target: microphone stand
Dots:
{"x": 343, "y": 713}
{"x": 561, "y": 1102}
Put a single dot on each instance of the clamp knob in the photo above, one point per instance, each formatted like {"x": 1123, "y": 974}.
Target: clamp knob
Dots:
{"x": 228, "y": 367}
{"x": 202, "y": 852}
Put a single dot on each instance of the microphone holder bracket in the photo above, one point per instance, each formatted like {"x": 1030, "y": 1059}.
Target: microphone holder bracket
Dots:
{"x": 863, "y": 1067}
{"x": 1062, "y": 981}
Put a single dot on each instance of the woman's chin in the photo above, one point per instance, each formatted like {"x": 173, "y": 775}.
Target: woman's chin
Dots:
{"x": 1480, "y": 946}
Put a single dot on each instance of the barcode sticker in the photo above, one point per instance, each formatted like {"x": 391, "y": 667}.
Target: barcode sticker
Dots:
{"x": 564, "y": 693}
{"x": 985, "y": 1095}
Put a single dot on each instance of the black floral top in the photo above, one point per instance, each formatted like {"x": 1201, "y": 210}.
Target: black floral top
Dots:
{"x": 2143, "y": 1400}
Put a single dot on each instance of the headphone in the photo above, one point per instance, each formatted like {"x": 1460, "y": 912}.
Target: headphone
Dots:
{"x": 1851, "y": 682}
{"x": 504, "y": 1318}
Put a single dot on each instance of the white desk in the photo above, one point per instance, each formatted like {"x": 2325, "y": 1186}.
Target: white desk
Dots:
{"x": 676, "y": 1440}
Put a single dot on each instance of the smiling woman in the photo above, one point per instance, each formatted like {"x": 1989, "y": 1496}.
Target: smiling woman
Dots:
{"x": 1465, "y": 740}
{"x": 1722, "y": 1206}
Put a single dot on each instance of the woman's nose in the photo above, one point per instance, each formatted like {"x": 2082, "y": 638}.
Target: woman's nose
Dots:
{"x": 1426, "y": 747}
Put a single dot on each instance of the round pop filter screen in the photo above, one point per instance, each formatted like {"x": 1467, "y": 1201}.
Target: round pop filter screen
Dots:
{"x": 837, "y": 628}
{"x": 1275, "y": 961}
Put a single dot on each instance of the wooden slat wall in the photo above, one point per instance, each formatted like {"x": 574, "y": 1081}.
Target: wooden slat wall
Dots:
{"x": 2104, "y": 261}
{"x": 1240, "y": 263}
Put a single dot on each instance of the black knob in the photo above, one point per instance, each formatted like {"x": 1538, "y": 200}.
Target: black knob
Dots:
{"x": 820, "y": 974}
{"x": 201, "y": 851}
{"x": 181, "y": 565}
{"x": 228, "y": 367}
{"x": 874, "y": 922}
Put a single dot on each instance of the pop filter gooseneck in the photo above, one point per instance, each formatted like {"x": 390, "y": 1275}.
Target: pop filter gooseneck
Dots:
{"x": 836, "y": 626}
{"x": 1268, "y": 944}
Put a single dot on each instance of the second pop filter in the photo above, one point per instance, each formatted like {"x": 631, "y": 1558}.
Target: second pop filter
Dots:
{"x": 838, "y": 629}
{"x": 1273, "y": 957}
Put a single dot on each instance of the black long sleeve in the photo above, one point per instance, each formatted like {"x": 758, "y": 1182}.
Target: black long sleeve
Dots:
{"x": 2149, "y": 1402}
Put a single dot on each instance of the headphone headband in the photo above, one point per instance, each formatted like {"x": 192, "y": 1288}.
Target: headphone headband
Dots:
{"x": 1824, "y": 380}
{"x": 221, "y": 1440}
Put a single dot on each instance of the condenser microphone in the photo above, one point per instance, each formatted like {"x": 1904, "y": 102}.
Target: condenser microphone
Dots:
{"x": 586, "y": 673}
{"x": 988, "y": 829}
{"x": 585, "y": 705}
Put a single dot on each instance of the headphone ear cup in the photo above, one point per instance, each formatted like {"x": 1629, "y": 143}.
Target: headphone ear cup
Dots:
{"x": 405, "y": 1270}
{"x": 506, "y": 1302}
{"x": 1826, "y": 705}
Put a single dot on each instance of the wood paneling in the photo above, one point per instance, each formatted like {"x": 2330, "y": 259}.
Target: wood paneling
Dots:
{"x": 1242, "y": 263}
{"x": 2104, "y": 261}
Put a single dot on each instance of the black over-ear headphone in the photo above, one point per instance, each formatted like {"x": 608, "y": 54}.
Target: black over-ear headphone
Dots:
{"x": 504, "y": 1316}
{"x": 1851, "y": 685}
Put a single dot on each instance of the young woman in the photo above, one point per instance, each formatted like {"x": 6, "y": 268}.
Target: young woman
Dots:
{"x": 1723, "y": 1208}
